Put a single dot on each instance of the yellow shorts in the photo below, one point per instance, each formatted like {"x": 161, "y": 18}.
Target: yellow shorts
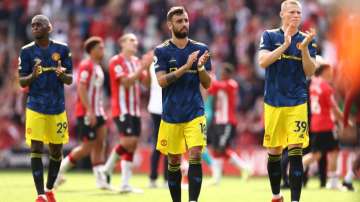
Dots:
{"x": 176, "y": 138}
{"x": 47, "y": 128}
{"x": 286, "y": 125}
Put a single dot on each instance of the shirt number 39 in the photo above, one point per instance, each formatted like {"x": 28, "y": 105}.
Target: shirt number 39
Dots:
{"x": 301, "y": 126}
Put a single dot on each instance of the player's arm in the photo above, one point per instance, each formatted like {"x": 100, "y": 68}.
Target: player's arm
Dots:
{"x": 166, "y": 79}
{"x": 336, "y": 110}
{"x": 26, "y": 75}
{"x": 83, "y": 95}
{"x": 128, "y": 80}
{"x": 65, "y": 74}
{"x": 204, "y": 76}
{"x": 266, "y": 57}
{"x": 349, "y": 98}
{"x": 307, "y": 60}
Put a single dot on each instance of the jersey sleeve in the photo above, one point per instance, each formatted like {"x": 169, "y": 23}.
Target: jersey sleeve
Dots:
{"x": 84, "y": 74}
{"x": 67, "y": 61}
{"x": 24, "y": 64}
{"x": 215, "y": 85}
{"x": 159, "y": 61}
{"x": 312, "y": 48}
{"x": 118, "y": 70}
{"x": 265, "y": 42}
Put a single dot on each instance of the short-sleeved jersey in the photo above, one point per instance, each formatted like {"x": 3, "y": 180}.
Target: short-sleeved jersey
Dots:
{"x": 182, "y": 100}
{"x": 321, "y": 100}
{"x": 285, "y": 79}
{"x": 46, "y": 93}
{"x": 92, "y": 75}
{"x": 124, "y": 100}
{"x": 225, "y": 93}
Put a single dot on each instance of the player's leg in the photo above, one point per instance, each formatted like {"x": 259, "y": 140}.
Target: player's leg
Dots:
{"x": 76, "y": 154}
{"x": 130, "y": 144}
{"x": 348, "y": 179}
{"x": 298, "y": 138}
{"x": 233, "y": 157}
{"x": 195, "y": 138}
{"x": 274, "y": 171}
{"x": 97, "y": 155}
{"x": 37, "y": 166}
{"x": 284, "y": 169}
{"x": 35, "y": 137}
{"x": 55, "y": 157}
{"x": 155, "y": 154}
{"x": 195, "y": 172}
{"x": 171, "y": 142}
{"x": 123, "y": 125}
{"x": 174, "y": 176}
{"x": 322, "y": 165}
{"x": 274, "y": 140}
{"x": 332, "y": 166}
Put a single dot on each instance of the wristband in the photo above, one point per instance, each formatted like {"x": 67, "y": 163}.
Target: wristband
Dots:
{"x": 200, "y": 69}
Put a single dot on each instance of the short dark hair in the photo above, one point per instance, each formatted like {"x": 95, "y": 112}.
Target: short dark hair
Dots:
{"x": 175, "y": 10}
{"x": 91, "y": 42}
{"x": 321, "y": 69}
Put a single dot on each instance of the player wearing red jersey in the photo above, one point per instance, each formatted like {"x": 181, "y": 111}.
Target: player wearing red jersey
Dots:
{"x": 126, "y": 71}
{"x": 90, "y": 113}
{"x": 225, "y": 94}
{"x": 323, "y": 109}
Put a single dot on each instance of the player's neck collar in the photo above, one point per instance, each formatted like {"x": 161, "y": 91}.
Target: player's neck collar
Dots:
{"x": 172, "y": 43}
{"x": 282, "y": 31}
{"x": 40, "y": 46}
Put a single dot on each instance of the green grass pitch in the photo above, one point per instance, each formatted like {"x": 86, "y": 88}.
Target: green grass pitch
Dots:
{"x": 17, "y": 186}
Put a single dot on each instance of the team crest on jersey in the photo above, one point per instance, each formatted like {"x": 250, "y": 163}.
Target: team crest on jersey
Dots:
{"x": 28, "y": 130}
{"x": 55, "y": 56}
{"x": 163, "y": 143}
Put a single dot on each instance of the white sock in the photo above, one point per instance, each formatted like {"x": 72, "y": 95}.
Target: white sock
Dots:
{"x": 111, "y": 162}
{"x": 65, "y": 165}
{"x": 349, "y": 174}
{"x": 276, "y": 196}
{"x": 333, "y": 179}
{"x": 96, "y": 170}
{"x": 216, "y": 168}
{"x": 126, "y": 172}
{"x": 238, "y": 162}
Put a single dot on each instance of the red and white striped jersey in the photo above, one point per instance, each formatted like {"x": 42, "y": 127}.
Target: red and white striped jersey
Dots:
{"x": 124, "y": 100}
{"x": 321, "y": 101}
{"x": 225, "y": 93}
{"x": 92, "y": 75}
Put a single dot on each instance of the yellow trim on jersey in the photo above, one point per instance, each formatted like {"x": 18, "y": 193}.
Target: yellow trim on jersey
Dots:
{"x": 28, "y": 45}
{"x": 290, "y": 57}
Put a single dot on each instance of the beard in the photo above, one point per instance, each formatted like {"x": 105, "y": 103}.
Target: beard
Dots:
{"x": 181, "y": 35}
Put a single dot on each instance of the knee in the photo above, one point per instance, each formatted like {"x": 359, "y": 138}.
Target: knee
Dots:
{"x": 37, "y": 147}
{"x": 174, "y": 160}
{"x": 195, "y": 155}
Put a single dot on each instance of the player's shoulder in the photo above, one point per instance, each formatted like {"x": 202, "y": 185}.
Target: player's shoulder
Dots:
{"x": 86, "y": 63}
{"x": 28, "y": 46}
{"x": 233, "y": 83}
{"x": 198, "y": 44}
{"x": 115, "y": 59}
{"x": 162, "y": 47}
{"x": 60, "y": 44}
{"x": 273, "y": 32}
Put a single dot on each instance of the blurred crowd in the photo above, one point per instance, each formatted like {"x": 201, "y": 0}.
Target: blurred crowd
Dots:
{"x": 231, "y": 28}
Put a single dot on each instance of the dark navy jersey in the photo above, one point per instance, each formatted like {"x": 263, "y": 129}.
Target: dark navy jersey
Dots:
{"x": 285, "y": 79}
{"x": 182, "y": 100}
{"x": 46, "y": 93}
